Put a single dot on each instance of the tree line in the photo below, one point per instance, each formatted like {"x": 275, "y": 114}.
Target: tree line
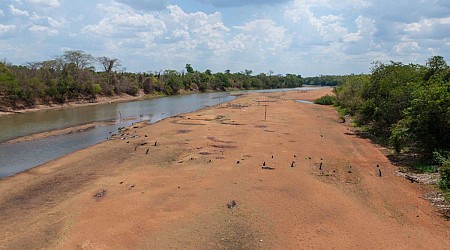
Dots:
{"x": 406, "y": 104}
{"x": 73, "y": 76}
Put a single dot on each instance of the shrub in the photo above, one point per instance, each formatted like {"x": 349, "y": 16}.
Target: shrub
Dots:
{"x": 326, "y": 100}
{"x": 445, "y": 175}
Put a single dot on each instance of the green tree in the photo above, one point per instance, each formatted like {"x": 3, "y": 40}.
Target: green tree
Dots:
{"x": 189, "y": 69}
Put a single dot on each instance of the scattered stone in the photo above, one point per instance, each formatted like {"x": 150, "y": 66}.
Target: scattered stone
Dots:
{"x": 100, "y": 194}
{"x": 131, "y": 187}
{"x": 237, "y": 162}
{"x": 232, "y": 204}
{"x": 267, "y": 168}
{"x": 437, "y": 199}
{"x": 121, "y": 182}
{"x": 411, "y": 178}
{"x": 425, "y": 178}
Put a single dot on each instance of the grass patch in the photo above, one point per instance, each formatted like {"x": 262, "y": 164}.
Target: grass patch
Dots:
{"x": 424, "y": 167}
{"x": 342, "y": 111}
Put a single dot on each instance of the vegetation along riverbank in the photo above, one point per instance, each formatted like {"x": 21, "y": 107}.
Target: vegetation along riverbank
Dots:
{"x": 72, "y": 78}
{"x": 407, "y": 108}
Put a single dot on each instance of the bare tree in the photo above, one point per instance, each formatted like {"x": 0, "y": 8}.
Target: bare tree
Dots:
{"x": 79, "y": 58}
{"x": 109, "y": 63}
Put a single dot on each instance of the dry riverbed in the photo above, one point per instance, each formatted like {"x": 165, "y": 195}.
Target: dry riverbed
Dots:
{"x": 224, "y": 178}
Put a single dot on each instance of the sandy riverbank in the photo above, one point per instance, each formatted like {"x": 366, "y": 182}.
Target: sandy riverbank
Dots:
{"x": 129, "y": 193}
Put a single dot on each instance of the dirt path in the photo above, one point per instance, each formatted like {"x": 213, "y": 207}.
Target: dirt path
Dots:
{"x": 320, "y": 187}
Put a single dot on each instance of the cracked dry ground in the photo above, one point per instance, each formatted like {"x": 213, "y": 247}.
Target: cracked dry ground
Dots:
{"x": 131, "y": 194}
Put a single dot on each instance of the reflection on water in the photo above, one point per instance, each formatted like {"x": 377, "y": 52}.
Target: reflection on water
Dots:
{"x": 305, "y": 101}
{"x": 17, "y": 157}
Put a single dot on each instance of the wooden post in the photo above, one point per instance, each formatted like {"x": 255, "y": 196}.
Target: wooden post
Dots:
{"x": 265, "y": 112}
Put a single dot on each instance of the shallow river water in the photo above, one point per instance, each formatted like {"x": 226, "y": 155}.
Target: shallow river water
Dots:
{"x": 17, "y": 157}
{"x": 20, "y": 156}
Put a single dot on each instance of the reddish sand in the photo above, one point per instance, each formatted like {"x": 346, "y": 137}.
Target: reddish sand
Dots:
{"x": 131, "y": 194}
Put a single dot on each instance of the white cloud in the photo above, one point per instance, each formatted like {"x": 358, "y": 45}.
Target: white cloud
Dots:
{"x": 410, "y": 46}
{"x": 6, "y": 28}
{"x": 366, "y": 29}
{"x": 43, "y": 30}
{"x": 297, "y": 36}
{"x": 120, "y": 20}
{"x": 312, "y": 29}
{"x": 426, "y": 24}
{"x": 17, "y": 12}
{"x": 46, "y": 3}
{"x": 46, "y": 20}
{"x": 435, "y": 28}
{"x": 172, "y": 30}
{"x": 263, "y": 34}
{"x": 198, "y": 30}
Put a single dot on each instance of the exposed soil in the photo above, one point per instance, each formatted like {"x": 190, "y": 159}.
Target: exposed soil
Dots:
{"x": 320, "y": 188}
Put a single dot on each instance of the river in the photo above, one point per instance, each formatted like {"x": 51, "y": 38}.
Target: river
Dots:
{"x": 20, "y": 156}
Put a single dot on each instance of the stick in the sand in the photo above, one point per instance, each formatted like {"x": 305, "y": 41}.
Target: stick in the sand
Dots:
{"x": 146, "y": 152}
{"x": 156, "y": 142}
{"x": 292, "y": 164}
{"x": 379, "y": 172}
{"x": 265, "y": 112}
{"x": 320, "y": 167}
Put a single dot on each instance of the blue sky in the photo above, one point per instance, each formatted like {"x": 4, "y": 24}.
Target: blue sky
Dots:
{"x": 304, "y": 37}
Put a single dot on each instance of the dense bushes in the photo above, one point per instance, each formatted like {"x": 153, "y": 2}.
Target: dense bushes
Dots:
{"x": 408, "y": 105}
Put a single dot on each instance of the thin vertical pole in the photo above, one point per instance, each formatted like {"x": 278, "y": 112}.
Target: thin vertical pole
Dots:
{"x": 265, "y": 112}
